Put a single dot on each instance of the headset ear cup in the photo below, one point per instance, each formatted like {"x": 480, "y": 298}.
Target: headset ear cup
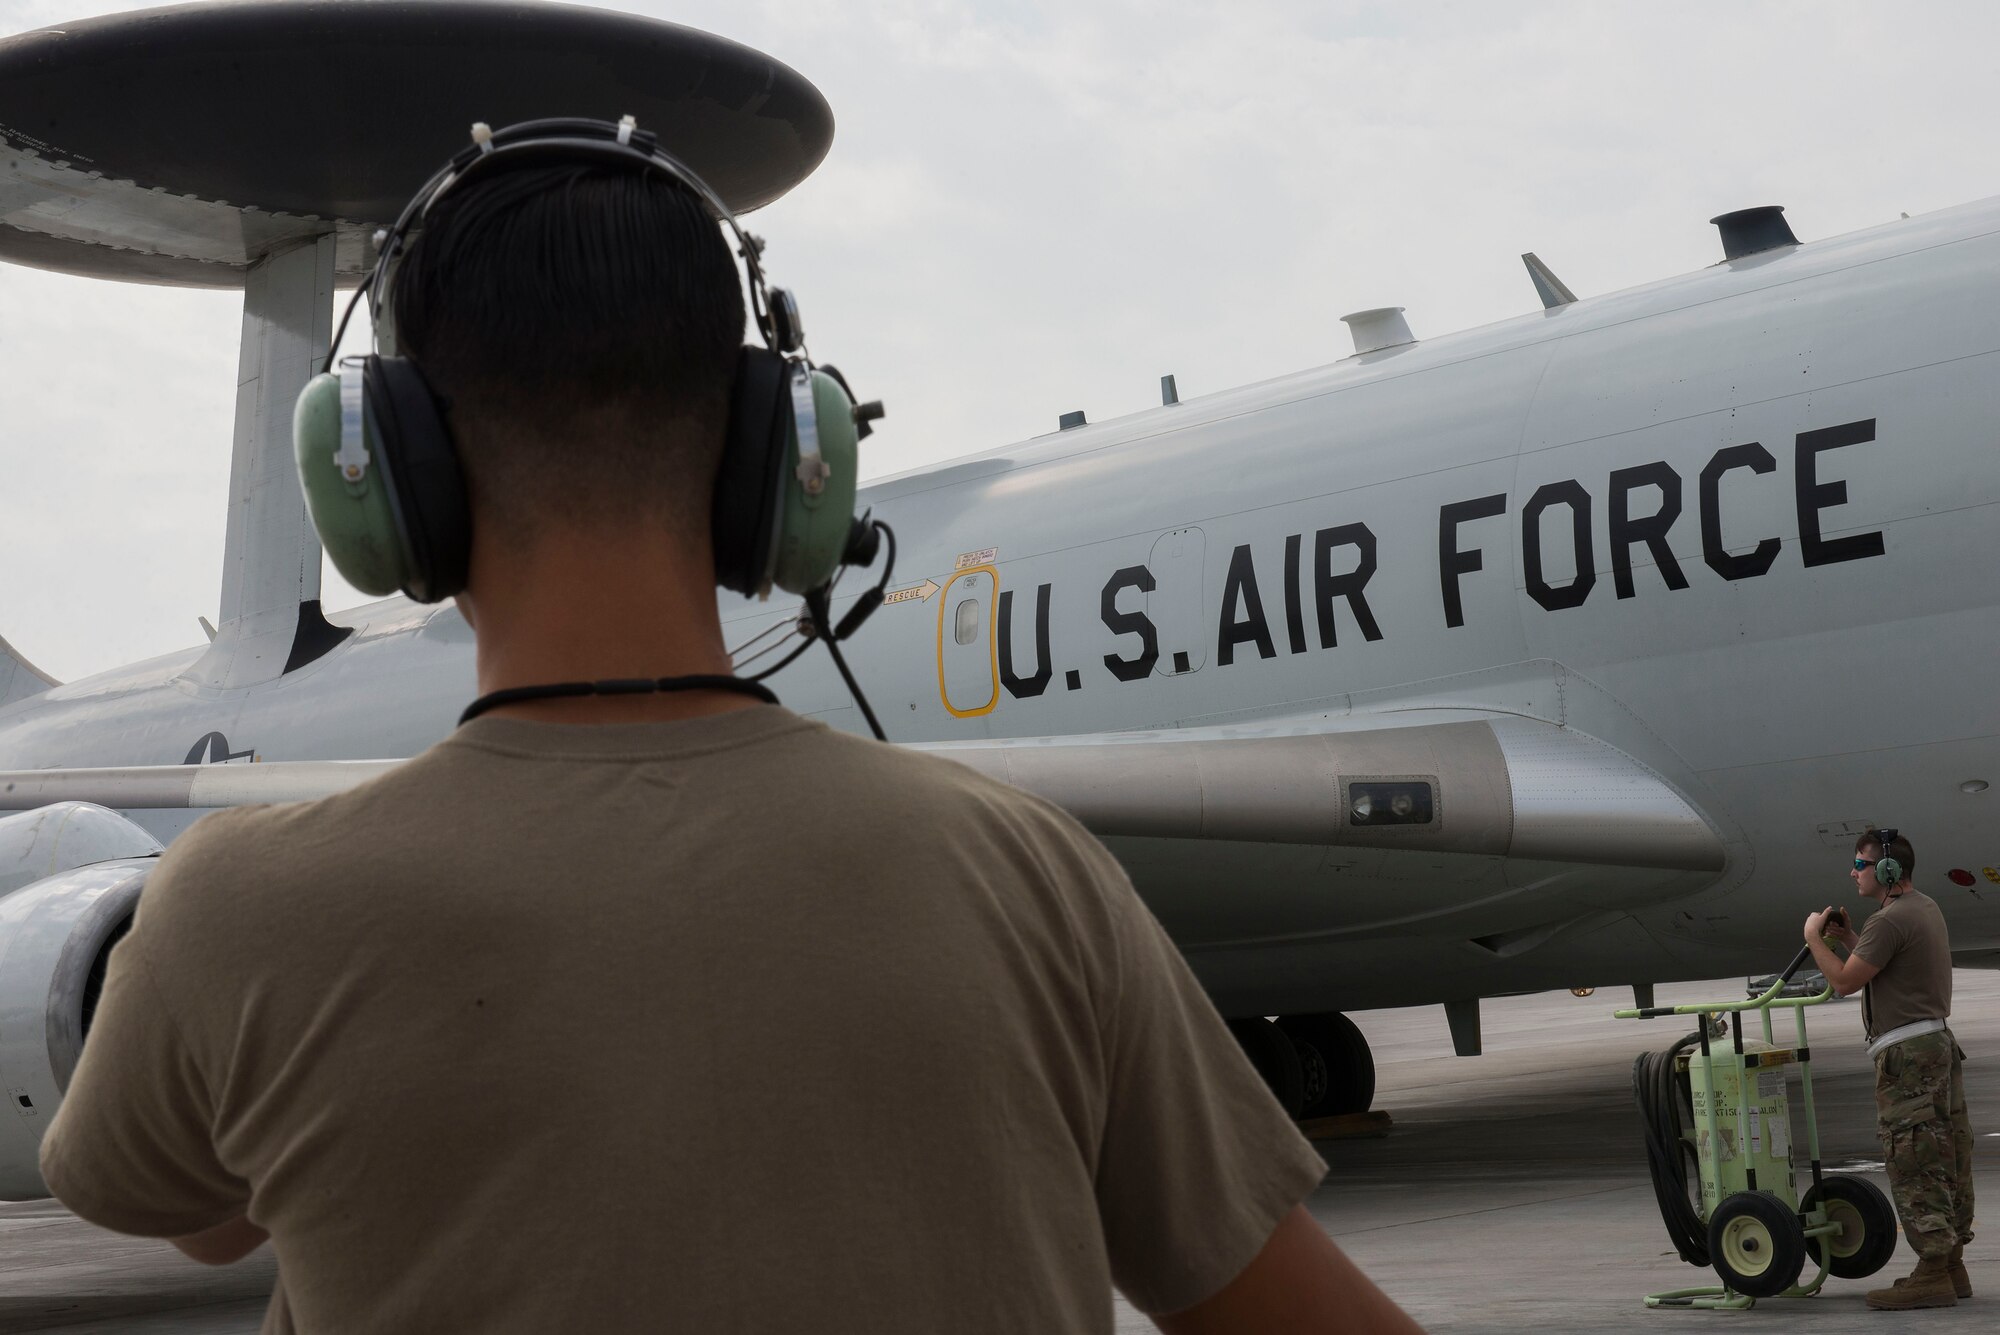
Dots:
{"x": 354, "y": 517}
{"x": 821, "y": 469}
{"x": 743, "y": 515}
{"x": 1889, "y": 871}
{"x": 428, "y": 488}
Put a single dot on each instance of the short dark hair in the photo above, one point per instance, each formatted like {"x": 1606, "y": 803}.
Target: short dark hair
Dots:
{"x": 1898, "y": 848}
{"x": 582, "y": 326}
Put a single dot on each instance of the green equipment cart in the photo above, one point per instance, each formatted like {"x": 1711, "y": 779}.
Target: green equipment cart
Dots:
{"x": 1724, "y": 1111}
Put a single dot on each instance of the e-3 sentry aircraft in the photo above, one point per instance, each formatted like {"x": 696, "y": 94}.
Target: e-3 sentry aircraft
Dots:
{"x": 1572, "y": 650}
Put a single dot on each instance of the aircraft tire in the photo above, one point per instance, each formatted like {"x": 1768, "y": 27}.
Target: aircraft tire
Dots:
{"x": 1275, "y": 1058}
{"x": 1337, "y": 1066}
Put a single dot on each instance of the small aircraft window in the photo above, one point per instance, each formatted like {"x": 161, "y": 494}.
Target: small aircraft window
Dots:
{"x": 1390, "y": 804}
{"x": 965, "y": 622}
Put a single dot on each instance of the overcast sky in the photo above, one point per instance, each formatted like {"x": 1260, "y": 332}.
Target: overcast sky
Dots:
{"x": 1033, "y": 207}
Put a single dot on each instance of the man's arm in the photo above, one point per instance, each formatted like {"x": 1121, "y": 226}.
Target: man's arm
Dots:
{"x": 1847, "y": 976}
{"x": 225, "y": 1244}
{"x": 1300, "y": 1284}
{"x": 132, "y": 1146}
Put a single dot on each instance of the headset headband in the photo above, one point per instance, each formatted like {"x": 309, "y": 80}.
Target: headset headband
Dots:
{"x": 569, "y": 139}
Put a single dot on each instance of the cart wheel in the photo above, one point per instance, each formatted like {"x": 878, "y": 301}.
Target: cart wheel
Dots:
{"x": 1867, "y": 1237}
{"x": 1756, "y": 1244}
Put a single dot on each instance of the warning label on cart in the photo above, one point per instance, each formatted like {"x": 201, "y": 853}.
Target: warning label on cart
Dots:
{"x": 1770, "y": 1084}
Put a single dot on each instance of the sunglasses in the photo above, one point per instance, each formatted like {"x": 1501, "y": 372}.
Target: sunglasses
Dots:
{"x": 1863, "y": 864}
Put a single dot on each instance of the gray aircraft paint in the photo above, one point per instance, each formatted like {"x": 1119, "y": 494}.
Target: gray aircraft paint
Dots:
{"x": 1787, "y": 707}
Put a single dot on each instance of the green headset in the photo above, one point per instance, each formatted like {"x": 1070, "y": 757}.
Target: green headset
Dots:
{"x": 381, "y": 475}
{"x": 1888, "y": 871}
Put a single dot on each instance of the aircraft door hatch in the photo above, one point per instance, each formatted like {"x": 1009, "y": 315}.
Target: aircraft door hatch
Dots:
{"x": 968, "y": 664}
{"x": 1174, "y": 605}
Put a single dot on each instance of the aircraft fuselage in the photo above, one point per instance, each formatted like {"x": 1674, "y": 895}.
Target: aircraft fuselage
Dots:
{"x": 1739, "y": 525}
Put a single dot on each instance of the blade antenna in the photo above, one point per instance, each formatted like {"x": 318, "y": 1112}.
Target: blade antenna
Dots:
{"x": 1551, "y": 289}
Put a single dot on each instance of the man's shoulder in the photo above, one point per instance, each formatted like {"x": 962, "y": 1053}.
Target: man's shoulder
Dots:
{"x": 917, "y": 807}
{"x": 1912, "y": 915}
{"x": 1929, "y": 910}
{"x": 240, "y": 851}
{"x": 947, "y": 786}
{"x": 1913, "y": 910}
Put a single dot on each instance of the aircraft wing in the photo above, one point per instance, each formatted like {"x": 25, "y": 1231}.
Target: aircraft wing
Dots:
{"x": 175, "y": 787}
{"x": 1424, "y": 782}
{"x": 1495, "y": 785}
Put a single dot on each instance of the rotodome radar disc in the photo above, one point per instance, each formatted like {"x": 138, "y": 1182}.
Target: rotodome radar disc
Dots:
{"x": 179, "y": 145}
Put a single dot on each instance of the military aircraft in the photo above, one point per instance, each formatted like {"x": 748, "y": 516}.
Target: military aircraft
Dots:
{"x": 1573, "y": 650}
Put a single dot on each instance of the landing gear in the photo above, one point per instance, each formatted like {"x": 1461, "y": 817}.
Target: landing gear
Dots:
{"x": 1315, "y": 1065}
{"x": 1338, "y": 1068}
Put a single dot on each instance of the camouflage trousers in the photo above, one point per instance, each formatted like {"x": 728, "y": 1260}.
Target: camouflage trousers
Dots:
{"x": 1926, "y": 1140}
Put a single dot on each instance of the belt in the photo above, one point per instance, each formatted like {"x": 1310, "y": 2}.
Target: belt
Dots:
{"x": 1903, "y": 1031}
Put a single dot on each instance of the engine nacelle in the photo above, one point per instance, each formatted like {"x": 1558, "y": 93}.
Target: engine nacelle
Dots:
{"x": 54, "y": 838}
{"x": 56, "y": 936}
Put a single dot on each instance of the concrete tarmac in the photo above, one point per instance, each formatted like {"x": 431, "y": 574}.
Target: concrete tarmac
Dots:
{"x": 1512, "y": 1195}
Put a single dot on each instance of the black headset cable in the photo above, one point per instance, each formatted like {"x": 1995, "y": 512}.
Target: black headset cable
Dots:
{"x": 816, "y": 605}
{"x": 570, "y": 690}
{"x": 789, "y": 659}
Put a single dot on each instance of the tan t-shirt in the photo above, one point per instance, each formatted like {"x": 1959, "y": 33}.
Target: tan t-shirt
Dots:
{"x": 736, "y": 1024}
{"x": 1907, "y": 941}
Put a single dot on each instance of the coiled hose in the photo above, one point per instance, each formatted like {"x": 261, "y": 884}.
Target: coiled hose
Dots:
{"x": 1666, "y": 1107}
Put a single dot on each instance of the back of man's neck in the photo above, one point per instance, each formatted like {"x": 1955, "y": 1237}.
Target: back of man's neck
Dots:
{"x": 599, "y": 607}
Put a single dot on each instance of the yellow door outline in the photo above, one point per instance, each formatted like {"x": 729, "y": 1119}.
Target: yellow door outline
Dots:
{"x": 992, "y": 644}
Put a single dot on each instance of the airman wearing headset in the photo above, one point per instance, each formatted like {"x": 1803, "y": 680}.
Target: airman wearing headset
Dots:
{"x": 639, "y": 1002}
{"x": 1901, "y": 963}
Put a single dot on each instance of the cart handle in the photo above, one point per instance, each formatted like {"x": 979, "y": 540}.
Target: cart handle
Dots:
{"x": 1769, "y": 998}
{"x": 1805, "y": 953}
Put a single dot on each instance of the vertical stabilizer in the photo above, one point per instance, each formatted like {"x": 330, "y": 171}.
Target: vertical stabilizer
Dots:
{"x": 19, "y": 678}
